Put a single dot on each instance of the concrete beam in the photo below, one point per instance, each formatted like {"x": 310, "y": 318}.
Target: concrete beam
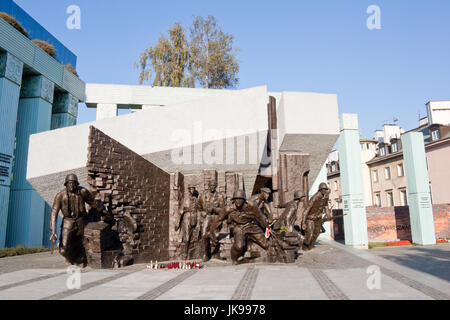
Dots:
{"x": 355, "y": 221}
{"x": 419, "y": 198}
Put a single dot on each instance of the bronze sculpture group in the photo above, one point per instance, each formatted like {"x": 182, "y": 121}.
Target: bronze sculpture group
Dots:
{"x": 252, "y": 220}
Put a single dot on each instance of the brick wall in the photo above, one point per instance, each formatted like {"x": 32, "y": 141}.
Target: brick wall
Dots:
{"x": 392, "y": 223}
{"x": 130, "y": 186}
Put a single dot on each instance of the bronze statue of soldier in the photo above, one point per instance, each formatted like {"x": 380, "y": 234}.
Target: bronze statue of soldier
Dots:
{"x": 292, "y": 214}
{"x": 188, "y": 222}
{"x": 71, "y": 202}
{"x": 244, "y": 218}
{"x": 313, "y": 218}
{"x": 261, "y": 201}
{"x": 212, "y": 205}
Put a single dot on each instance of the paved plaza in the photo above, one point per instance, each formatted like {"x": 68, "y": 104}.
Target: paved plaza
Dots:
{"x": 330, "y": 271}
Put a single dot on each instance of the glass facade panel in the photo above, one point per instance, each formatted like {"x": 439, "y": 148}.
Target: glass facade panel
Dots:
{"x": 63, "y": 55}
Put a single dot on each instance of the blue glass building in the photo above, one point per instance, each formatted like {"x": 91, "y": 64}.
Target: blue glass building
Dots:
{"x": 37, "y": 93}
{"x": 63, "y": 55}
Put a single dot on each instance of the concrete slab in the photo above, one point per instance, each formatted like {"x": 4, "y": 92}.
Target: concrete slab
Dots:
{"x": 286, "y": 283}
{"x": 211, "y": 283}
{"x": 11, "y": 278}
{"x": 41, "y": 289}
{"x": 129, "y": 287}
{"x": 353, "y": 282}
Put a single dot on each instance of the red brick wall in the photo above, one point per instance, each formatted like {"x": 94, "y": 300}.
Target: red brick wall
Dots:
{"x": 129, "y": 184}
{"x": 392, "y": 223}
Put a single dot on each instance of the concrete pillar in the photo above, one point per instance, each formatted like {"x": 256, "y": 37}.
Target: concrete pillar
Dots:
{"x": 355, "y": 221}
{"x": 321, "y": 177}
{"x": 65, "y": 110}
{"x": 26, "y": 207}
{"x": 10, "y": 79}
{"x": 420, "y": 207}
{"x": 105, "y": 111}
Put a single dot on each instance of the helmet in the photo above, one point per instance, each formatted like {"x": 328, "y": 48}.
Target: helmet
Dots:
{"x": 239, "y": 194}
{"x": 71, "y": 177}
{"x": 298, "y": 195}
{"x": 266, "y": 190}
{"x": 212, "y": 183}
{"x": 190, "y": 186}
{"x": 323, "y": 185}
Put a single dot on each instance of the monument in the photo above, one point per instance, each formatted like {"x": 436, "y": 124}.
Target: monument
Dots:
{"x": 222, "y": 177}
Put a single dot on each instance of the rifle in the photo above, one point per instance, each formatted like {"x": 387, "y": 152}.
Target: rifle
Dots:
{"x": 333, "y": 218}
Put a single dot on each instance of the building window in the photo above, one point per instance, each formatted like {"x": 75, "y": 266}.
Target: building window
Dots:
{"x": 395, "y": 147}
{"x": 382, "y": 151}
{"x": 400, "y": 170}
{"x": 333, "y": 167}
{"x": 377, "y": 200}
{"x": 375, "y": 176}
{"x": 335, "y": 186}
{"x": 435, "y": 135}
{"x": 403, "y": 198}
{"x": 390, "y": 198}
{"x": 387, "y": 173}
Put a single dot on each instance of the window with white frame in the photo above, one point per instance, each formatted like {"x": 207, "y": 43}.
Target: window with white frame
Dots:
{"x": 335, "y": 186}
{"x": 400, "y": 170}
{"x": 382, "y": 151}
{"x": 395, "y": 147}
{"x": 390, "y": 198}
{"x": 377, "y": 200}
{"x": 375, "y": 176}
{"x": 387, "y": 173}
{"x": 435, "y": 135}
{"x": 403, "y": 198}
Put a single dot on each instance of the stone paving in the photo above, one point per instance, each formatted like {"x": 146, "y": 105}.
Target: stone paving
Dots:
{"x": 330, "y": 271}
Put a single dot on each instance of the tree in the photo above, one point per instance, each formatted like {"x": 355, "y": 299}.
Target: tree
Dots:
{"x": 213, "y": 61}
{"x": 208, "y": 59}
{"x": 168, "y": 60}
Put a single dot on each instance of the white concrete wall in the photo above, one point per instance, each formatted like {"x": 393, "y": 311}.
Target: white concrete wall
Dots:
{"x": 438, "y": 112}
{"x": 391, "y": 131}
{"x": 146, "y": 95}
{"x": 308, "y": 113}
{"x": 237, "y": 113}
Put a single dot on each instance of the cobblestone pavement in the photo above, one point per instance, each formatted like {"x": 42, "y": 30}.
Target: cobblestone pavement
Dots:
{"x": 330, "y": 271}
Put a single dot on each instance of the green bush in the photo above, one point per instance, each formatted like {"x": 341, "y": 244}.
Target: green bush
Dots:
{"x": 20, "y": 250}
{"x": 377, "y": 244}
{"x": 71, "y": 69}
{"x": 13, "y": 22}
{"x": 47, "y": 47}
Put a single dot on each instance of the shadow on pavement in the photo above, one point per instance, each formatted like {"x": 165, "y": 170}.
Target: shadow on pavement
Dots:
{"x": 434, "y": 261}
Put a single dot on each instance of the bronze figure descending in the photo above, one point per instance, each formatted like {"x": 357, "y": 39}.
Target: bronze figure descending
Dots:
{"x": 212, "y": 205}
{"x": 71, "y": 202}
{"x": 189, "y": 222}
{"x": 244, "y": 218}
{"x": 313, "y": 218}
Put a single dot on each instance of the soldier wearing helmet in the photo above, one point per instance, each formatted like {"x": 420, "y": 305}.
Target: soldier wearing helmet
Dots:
{"x": 243, "y": 217}
{"x": 261, "y": 201}
{"x": 71, "y": 202}
{"x": 188, "y": 220}
{"x": 211, "y": 205}
{"x": 292, "y": 213}
{"x": 313, "y": 218}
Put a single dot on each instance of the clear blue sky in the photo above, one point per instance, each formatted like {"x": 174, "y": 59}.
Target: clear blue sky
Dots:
{"x": 316, "y": 45}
